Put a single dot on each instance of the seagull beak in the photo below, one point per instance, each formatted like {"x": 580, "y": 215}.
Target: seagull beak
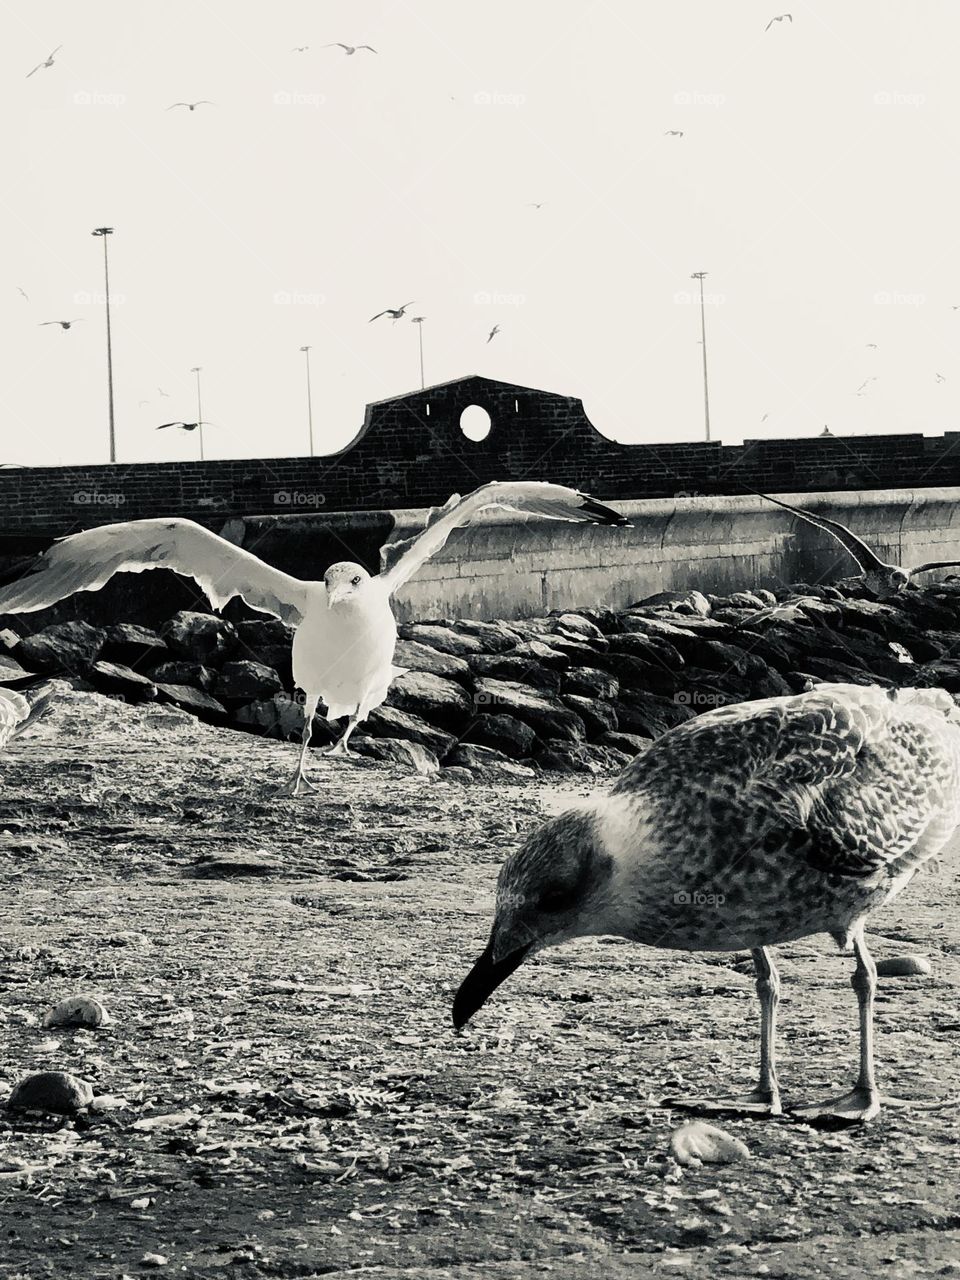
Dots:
{"x": 482, "y": 980}
{"x": 336, "y": 594}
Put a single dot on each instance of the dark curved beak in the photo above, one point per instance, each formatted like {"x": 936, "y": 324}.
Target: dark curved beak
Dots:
{"x": 482, "y": 980}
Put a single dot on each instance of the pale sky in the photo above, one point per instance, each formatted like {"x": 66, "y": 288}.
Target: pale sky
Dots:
{"x": 816, "y": 180}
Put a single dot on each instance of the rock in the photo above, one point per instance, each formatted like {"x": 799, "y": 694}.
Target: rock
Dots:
{"x": 213, "y": 866}
{"x": 631, "y": 744}
{"x": 650, "y": 648}
{"x": 443, "y": 638}
{"x": 577, "y": 625}
{"x": 132, "y": 645}
{"x": 71, "y": 647}
{"x": 77, "y": 1011}
{"x": 544, "y": 712}
{"x": 180, "y": 672}
{"x": 497, "y": 637}
{"x": 192, "y": 700}
{"x": 831, "y": 670}
{"x": 432, "y": 698}
{"x": 409, "y": 755}
{"x": 580, "y": 757}
{"x": 943, "y": 674}
{"x": 904, "y": 967}
{"x": 201, "y": 637}
{"x": 421, "y": 657}
{"x": 503, "y": 666}
{"x": 111, "y": 677}
{"x": 282, "y": 717}
{"x": 578, "y": 653}
{"x": 245, "y": 681}
{"x": 717, "y": 655}
{"x": 391, "y": 722}
{"x": 590, "y": 682}
{"x": 52, "y": 1091}
{"x": 489, "y": 765}
{"x": 771, "y": 684}
{"x": 11, "y": 670}
{"x": 637, "y": 673}
{"x": 599, "y": 717}
{"x": 694, "y": 603}
{"x": 743, "y": 600}
{"x": 648, "y": 716}
{"x": 541, "y": 652}
{"x": 258, "y": 634}
{"x": 643, "y": 623}
{"x": 698, "y": 1143}
{"x": 503, "y": 733}
{"x": 457, "y": 773}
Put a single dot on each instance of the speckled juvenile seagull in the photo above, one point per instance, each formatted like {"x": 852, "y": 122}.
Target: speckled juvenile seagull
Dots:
{"x": 751, "y": 825}
{"x": 884, "y": 579}
{"x": 345, "y": 629}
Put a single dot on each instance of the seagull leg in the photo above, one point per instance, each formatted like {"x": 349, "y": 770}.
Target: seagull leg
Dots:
{"x": 863, "y": 1100}
{"x": 765, "y": 1098}
{"x": 340, "y": 747}
{"x": 299, "y": 778}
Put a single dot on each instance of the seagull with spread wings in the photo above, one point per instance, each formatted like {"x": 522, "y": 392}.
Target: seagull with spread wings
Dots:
{"x": 673, "y": 133}
{"x": 48, "y": 62}
{"x": 779, "y": 18}
{"x": 64, "y": 324}
{"x": 882, "y": 578}
{"x": 395, "y": 312}
{"x": 346, "y": 633}
{"x": 192, "y": 106}
{"x": 493, "y": 333}
{"x": 349, "y": 49}
{"x": 23, "y": 294}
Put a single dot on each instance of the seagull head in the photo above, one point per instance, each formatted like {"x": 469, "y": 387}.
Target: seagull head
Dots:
{"x": 556, "y": 886}
{"x": 888, "y": 582}
{"x": 343, "y": 582}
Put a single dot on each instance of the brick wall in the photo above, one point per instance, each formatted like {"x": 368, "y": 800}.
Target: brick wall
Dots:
{"x": 412, "y": 453}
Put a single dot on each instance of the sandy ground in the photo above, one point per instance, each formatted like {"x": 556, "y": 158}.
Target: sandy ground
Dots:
{"x": 281, "y": 1090}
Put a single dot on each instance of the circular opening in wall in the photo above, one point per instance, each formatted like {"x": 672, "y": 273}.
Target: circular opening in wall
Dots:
{"x": 475, "y": 422}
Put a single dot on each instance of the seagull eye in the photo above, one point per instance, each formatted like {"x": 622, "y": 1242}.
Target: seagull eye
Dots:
{"x": 355, "y": 581}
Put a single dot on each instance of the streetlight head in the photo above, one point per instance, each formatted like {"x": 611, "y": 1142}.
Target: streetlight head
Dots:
{"x": 197, "y": 369}
{"x": 305, "y": 348}
{"x": 698, "y": 275}
{"x": 102, "y": 231}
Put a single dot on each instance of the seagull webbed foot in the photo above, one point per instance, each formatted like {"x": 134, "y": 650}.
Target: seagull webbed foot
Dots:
{"x": 855, "y": 1107}
{"x": 758, "y": 1102}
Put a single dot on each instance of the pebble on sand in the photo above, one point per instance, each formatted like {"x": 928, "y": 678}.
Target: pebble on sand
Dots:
{"x": 51, "y": 1091}
{"x": 697, "y": 1143}
{"x": 77, "y": 1011}
{"x": 904, "y": 967}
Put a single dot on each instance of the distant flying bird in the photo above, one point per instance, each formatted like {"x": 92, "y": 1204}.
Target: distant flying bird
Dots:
{"x": 349, "y": 49}
{"x": 939, "y": 377}
{"x": 396, "y": 314}
{"x": 673, "y": 133}
{"x": 873, "y": 345}
{"x": 749, "y": 826}
{"x": 300, "y": 48}
{"x": 860, "y": 390}
{"x": 346, "y": 635}
{"x": 22, "y": 294}
{"x": 192, "y": 106}
{"x": 186, "y": 426}
{"x": 48, "y": 63}
{"x": 533, "y": 204}
{"x": 64, "y": 324}
{"x": 883, "y": 579}
{"x": 163, "y": 393}
{"x": 779, "y": 18}
{"x": 493, "y": 333}
{"x": 765, "y": 417}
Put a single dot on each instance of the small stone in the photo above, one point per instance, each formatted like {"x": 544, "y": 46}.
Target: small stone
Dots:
{"x": 53, "y": 1091}
{"x": 698, "y": 1143}
{"x": 200, "y": 636}
{"x": 154, "y": 1260}
{"x": 409, "y": 755}
{"x": 904, "y": 967}
{"x": 77, "y": 1011}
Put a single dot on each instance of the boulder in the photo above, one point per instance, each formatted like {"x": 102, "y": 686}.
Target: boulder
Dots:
{"x": 649, "y": 647}
{"x": 637, "y": 673}
{"x": 422, "y": 657}
{"x": 631, "y": 744}
{"x": 648, "y": 716}
{"x": 409, "y": 755}
{"x": 179, "y": 672}
{"x": 503, "y": 733}
{"x": 944, "y": 674}
{"x": 579, "y": 653}
{"x": 577, "y": 625}
{"x": 539, "y": 651}
{"x": 431, "y": 697}
{"x": 192, "y": 700}
{"x": 503, "y": 666}
{"x": 391, "y": 722}
{"x": 694, "y": 603}
{"x": 51, "y": 1091}
{"x": 497, "y": 637}
{"x": 113, "y": 677}
{"x": 131, "y": 645}
{"x": 544, "y": 712}
{"x": 246, "y": 681}
{"x": 489, "y": 765}
{"x": 590, "y": 682}
{"x": 202, "y": 637}
{"x": 443, "y": 638}
{"x": 599, "y": 717}
{"x": 646, "y": 625}
{"x": 282, "y": 717}
{"x": 581, "y": 757}
{"x": 70, "y": 647}
{"x": 259, "y": 634}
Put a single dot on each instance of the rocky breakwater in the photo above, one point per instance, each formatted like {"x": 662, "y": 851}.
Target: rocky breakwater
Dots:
{"x": 574, "y": 692}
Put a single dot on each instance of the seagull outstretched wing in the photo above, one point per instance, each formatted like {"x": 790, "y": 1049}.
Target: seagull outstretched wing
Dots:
{"x": 865, "y": 558}
{"x": 402, "y": 559}
{"x": 934, "y": 564}
{"x": 87, "y": 561}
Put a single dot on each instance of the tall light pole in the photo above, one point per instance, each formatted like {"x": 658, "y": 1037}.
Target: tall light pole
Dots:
{"x": 196, "y": 370}
{"x": 698, "y": 275}
{"x": 418, "y": 321}
{"x": 306, "y": 353}
{"x": 104, "y": 232}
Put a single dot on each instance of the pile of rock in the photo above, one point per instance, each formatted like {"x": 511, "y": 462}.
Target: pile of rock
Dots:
{"x": 580, "y": 691}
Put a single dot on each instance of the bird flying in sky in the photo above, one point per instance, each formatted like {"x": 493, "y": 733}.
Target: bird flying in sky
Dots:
{"x": 192, "y": 106}
{"x": 349, "y": 49}
{"x": 64, "y": 324}
{"x": 535, "y": 204}
{"x": 673, "y": 133}
{"x": 22, "y": 294}
{"x": 185, "y": 426}
{"x": 47, "y": 63}
{"x": 396, "y": 313}
{"x": 493, "y": 333}
{"x": 300, "y": 48}
{"x": 781, "y": 17}
{"x": 346, "y": 633}
{"x": 163, "y": 393}
{"x": 939, "y": 377}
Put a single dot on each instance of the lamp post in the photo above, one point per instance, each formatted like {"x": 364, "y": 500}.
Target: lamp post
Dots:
{"x": 197, "y": 370}
{"x": 104, "y": 232}
{"x": 698, "y": 275}
{"x": 418, "y": 321}
{"x": 306, "y": 353}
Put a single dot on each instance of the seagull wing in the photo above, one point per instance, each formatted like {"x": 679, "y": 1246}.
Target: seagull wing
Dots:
{"x": 164, "y": 425}
{"x": 56, "y": 50}
{"x": 934, "y": 564}
{"x": 377, "y": 316}
{"x": 336, "y": 44}
{"x": 403, "y": 558}
{"x": 864, "y": 557}
{"x": 177, "y": 104}
{"x": 87, "y": 561}
{"x": 35, "y": 70}
{"x": 367, "y": 46}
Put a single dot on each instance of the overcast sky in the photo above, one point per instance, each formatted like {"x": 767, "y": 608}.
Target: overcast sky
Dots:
{"x": 816, "y": 180}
